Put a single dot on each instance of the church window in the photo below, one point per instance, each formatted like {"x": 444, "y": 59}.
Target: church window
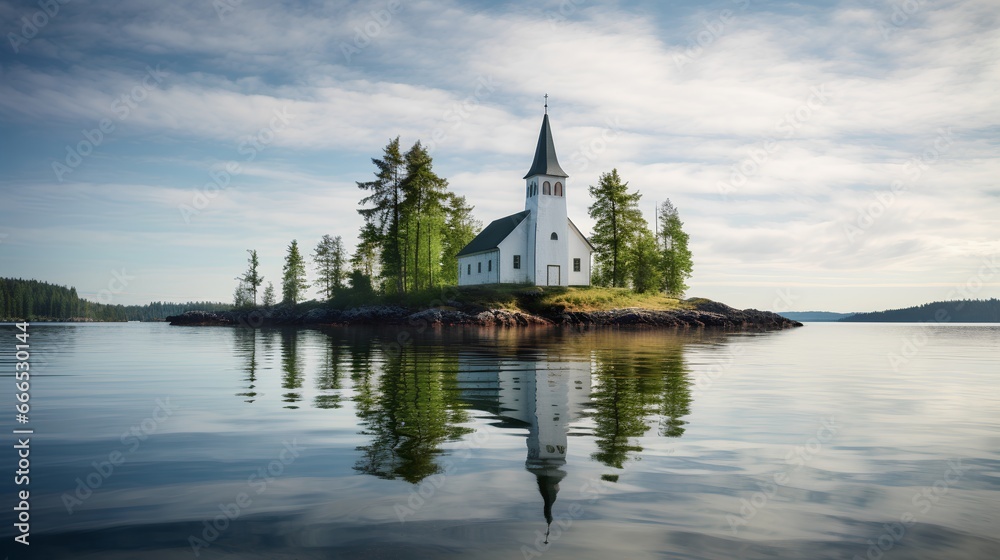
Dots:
{"x": 554, "y": 236}
{"x": 489, "y": 266}
{"x": 469, "y": 271}
{"x": 559, "y": 189}
{"x": 479, "y": 269}
{"x": 546, "y": 188}
{"x": 517, "y": 262}
{"x": 576, "y": 265}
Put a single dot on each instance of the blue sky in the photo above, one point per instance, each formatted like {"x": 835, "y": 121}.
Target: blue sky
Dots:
{"x": 826, "y": 155}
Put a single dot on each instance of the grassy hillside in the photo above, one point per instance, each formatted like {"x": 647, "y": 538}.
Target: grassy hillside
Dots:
{"x": 535, "y": 299}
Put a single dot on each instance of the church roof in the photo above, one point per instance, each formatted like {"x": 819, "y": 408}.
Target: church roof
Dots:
{"x": 494, "y": 234}
{"x": 545, "y": 162}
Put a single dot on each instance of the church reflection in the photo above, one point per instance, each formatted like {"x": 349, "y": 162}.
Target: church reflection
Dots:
{"x": 540, "y": 395}
{"x": 613, "y": 394}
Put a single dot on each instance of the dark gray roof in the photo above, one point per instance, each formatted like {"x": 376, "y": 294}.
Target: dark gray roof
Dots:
{"x": 494, "y": 234}
{"x": 545, "y": 162}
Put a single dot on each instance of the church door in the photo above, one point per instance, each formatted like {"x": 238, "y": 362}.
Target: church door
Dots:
{"x": 554, "y": 279}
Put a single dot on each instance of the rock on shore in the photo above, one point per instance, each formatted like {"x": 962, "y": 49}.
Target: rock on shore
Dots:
{"x": 704, "y": 314}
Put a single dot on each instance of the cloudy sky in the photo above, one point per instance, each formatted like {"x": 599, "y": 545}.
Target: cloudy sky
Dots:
{"x": 824, "y": 155}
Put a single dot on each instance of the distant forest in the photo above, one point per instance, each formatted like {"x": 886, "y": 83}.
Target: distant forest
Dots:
{"x": 959, "y": 311}
{"x": 33, "y": 300}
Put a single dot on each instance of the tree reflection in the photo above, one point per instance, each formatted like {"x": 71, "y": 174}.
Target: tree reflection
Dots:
{"x": 291, "y": 377}
{"x": 408, "y": 408}
{"x": 246, "y": 346}
{"x": 629, "y": 392}
{"x": 328, "y": 377}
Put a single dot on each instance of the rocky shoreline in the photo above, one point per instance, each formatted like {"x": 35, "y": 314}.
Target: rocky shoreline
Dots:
{"x": 706, "y": 314}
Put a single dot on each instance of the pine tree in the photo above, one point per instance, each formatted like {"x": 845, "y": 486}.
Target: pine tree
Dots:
{"x": 293, "y": 282}
{"x": 675, "y": 257}
{"x": 268, "y": 299}
{"x": 330, "y": 263}
{"x": 422, "y": 217}
{"x": 382, "y": 213}
{"x": 251, "y": 278}
{"x": 647, "y": 275}
{"x": 241, "y": 295}
{"x": 619, "y": 223}
{"x": 460, "y": 228}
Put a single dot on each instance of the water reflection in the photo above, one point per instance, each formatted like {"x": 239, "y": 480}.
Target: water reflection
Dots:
{"x": 328, "y": 378}
{"x": 291, "y": 368}
{"x": 631, "y": 392}
{"x": 245, "y": 344}
{"x": 408, "y": 409}
{"x": 410, "y": 399}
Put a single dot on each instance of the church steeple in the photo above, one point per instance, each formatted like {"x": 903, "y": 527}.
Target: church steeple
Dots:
{"x": 545, "y": 162}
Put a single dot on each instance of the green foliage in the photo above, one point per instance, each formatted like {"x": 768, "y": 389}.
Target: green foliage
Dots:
{"x": 252, "y": 278}
{"x": 675, "y": 257}
{"x": 414, "y": 227}
{"x": 330, "y": 261}
{"x": 646, "y": 275}
{"x": 293, "y": 284}
{"x": 630, "y": 393}
{"x": 408, "y": 409}
{"x": 459, "y": 229}
{"x": 618, "y": 227}
{"x": 381, "y": 212}
{"x": 241, "y": 296}
{"x": 33, "y": 300}
{"x": 422, "y": 220}
{"x": 269, "y": 297}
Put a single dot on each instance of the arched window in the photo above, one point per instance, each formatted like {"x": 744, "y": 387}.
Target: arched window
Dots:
{"x": 554, "y": 236}
{"x": 546, "y": 188}
{"x": 559, "y": 189}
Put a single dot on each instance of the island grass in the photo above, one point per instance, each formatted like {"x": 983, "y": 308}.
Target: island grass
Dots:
{"x": 537, "y": 299}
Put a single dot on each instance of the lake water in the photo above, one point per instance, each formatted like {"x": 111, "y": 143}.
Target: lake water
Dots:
{"x": 827, "y": 441}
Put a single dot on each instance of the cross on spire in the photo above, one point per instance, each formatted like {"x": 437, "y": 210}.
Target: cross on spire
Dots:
{"x": 546, "y": 104}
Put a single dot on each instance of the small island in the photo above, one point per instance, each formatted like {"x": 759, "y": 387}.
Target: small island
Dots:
{"x": 422, "y": 259}
{"x": 507, "y": 306}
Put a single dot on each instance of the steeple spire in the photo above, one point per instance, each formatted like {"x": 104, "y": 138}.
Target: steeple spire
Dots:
{"x": 545, "y": 162}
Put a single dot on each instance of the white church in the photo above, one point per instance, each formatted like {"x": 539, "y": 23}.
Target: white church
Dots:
{"x": 540, "y": 245}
